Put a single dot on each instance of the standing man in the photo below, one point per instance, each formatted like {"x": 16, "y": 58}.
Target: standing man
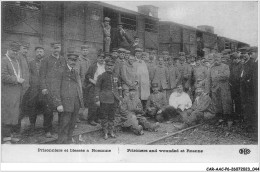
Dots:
{"x": 121, "y": 40}
{"x": 161, "y": 76}
{"x": 11, "y": 92}
{"x": 174, "y": 78}
{"x": 199, "y": 73}
{"x": 235, "y": 74}
{"x": 71, "y": 97}
{"x": 82, "y": 67}
{"x": 94, "y": 71}
{"x": 143, "y": 77}
{"x": 107, "y": 98}
{"x": 134, "y": 45}
{"x": 106, "y": 30}
{"x": 24, "y": 64}
{"x": 34, "y": 103}
{"x": 219, "y": 87}
{"x": 50, "y": 75}
{"x": 247, "y": 90}
{"x": 129, "y": 76}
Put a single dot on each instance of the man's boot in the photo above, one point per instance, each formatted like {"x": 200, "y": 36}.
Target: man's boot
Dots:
{"x": 112, "y": 134}
{"x": 105, "y": 134}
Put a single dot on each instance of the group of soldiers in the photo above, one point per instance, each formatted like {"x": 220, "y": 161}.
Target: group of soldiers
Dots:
{"x": 131, "y": 85}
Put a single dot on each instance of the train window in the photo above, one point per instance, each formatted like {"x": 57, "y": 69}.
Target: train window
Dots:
{"x": 129, "y": 21}
{"x": 33, "y": 5}
{"x": 227, "y": 45}
{"x": 151, "y": 26}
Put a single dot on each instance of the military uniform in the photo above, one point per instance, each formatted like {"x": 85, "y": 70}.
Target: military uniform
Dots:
{"x": 133, "y": 111}
{"x": 155, "y": 102}
{"x": 161, "y": 76}
{"x": 128, "y": 77}
{"x": 107, "y": 93}
{"x": 50, "y": 75}
{"x": 34, "y": 103}
{"x": 202, "y": 108}
{"x": 220, "y": 90}
{"x": 174, "y": 78}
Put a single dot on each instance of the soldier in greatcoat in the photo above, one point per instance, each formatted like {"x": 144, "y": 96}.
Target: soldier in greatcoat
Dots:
{"x": 161, "y": 76}
{"x": 11, "y": 92}
{"x": 25, "y": 74}
{"x": 34, "y": 103}
{"x": 131, "y": 108}
{"x": 107, "y": 98}
{"x": 143, "y": 77}
{"x": 174, "y": 78}
{"x": 219, "y": 86}
{"x": 156, "y": 102}
{"x": 50, "y": 76}
{"x": 129, "y": 76}
{"x": 71, "y": 97}
{"x": 94, "y": 71}
{"x": 246, "y": 89}
{"x": 235, "y": 74}
{"x": 82, "y": 66}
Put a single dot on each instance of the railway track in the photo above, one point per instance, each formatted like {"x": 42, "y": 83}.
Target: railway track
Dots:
{"x": 149, "y": 138}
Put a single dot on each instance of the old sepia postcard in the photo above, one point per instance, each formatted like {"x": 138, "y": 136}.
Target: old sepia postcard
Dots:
{"x": 130, "y": 81}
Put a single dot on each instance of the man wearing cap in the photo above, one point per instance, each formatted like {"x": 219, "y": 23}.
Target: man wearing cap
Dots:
{"x": 82, "y": 67}
{"x": 106, "y": 30}
{"x": 143, "y": 77}
{"x": 247, "y": 89}
{"x": 135, "y": 44}
{"x": 156, "y": 101}
{"x": 127, "y": 54}
{"x": 71, "y": 97}
{"x": 151, "y": 66}
{"x": 25, "y": 74}
{"x": 174, "y": 78}
{"x": 11, "y": 92}
{"x": 165, "y": 56}
{"x": 108, "y": 98}
{"x": 120, "y": 61}
{"x": 161, "y": 76}
{"x": 50, "y": 76}
{"x": 234, "y": 79}
{"x": 131, "y": 108}
{"x": 219, "y": 87}
{"x": 202, "y": 109}
{"x": 120, "y": 38}
{"x": 94, "y": 71}
{"x": 34, "y": 103}
{"x": 185, "y": 71}
{"x": 199, "y": 73}
{"x": 129, "y": 77}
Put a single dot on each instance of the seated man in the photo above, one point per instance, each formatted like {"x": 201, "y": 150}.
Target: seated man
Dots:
{"x": 202, "y": 109}
{"x": 179, "y": 99}
{"x": 178, "y": 102}
{"x": 131, "y": 109}
{"x": 156, "y": 101}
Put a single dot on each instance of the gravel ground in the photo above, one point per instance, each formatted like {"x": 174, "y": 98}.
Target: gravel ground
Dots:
{"x": 213, "y": 135}
{"x": 207, "y": 134}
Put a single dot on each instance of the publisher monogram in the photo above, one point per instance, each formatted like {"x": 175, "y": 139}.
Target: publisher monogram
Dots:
{"x": 244, "y": 151}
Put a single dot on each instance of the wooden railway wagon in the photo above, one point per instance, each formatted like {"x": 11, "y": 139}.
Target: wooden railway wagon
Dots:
{"x": 175, "y": 38}
{"x": 72, "y": 23}
{"x": 227, "y": 43}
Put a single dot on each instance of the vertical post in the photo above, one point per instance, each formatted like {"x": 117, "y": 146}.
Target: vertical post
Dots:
{"x": 62, "y": 17}
{"x": 42, "y": 22}
{"x": 85, "y": 22}
{"x": 182, "y": 45}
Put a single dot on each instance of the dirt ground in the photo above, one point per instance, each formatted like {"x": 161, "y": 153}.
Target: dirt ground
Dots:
{"x": 207, "y": 134}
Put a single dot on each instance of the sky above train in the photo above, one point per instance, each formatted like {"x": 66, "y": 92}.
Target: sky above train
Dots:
{"x": 233, "y": 19}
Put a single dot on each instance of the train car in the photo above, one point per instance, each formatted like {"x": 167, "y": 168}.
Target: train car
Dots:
{"x": 227, "y": 43}
{"x": 175, "y": 38}
{"x": 73, "y": 24}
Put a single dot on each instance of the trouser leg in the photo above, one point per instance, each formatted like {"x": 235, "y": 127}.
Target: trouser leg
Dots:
{"x": 6, "y": 131}
{"x": 92, "y": 112}
{"x": 104, "y": 117}
{"x": 65, "y": 120}
{"x": 73, "y": 120}
{"x": 47, "y": 119}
